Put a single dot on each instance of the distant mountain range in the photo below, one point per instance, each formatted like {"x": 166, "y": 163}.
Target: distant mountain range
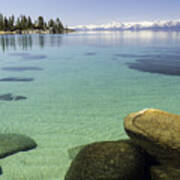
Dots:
{"x": 145, "y": 25}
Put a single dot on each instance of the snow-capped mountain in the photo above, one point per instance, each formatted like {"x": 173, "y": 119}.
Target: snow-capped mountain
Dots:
{"x": 145, "y": 25}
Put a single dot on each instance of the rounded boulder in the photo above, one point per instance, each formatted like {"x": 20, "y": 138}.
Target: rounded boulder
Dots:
{"x": 110, "y": 160}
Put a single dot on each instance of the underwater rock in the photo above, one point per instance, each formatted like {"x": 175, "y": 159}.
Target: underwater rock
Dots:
{"x": 6, "y": 97}
{"x": 16, "y": 79}
{"x": 13, "y": 143}
{"x": 157, "y": 132}
{"x": 164, "y": 173}
{"x": 34, "y": 57}
{"x": 19, "y": 54}
{"x": 10, "y": 97}
{"x": 18, "y": 69}
{"x": 111, "y": 160}
{"x": 29, "y": 56}
{"x": 90, "y": 54}
{"x": 130, "y": 55}
{"x": 74, "y": 151}
{"x": 1, "y": 171}
{"x": 161, "y": 64}
{"x": 17, "y": 98}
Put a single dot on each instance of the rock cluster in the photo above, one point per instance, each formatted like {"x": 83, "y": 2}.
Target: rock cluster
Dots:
{"x": 152, "y": 153}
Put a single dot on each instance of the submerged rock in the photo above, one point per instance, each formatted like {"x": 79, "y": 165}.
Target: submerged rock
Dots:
{"x": 6, "y": 97}
{"x": 161, "y": 64}
{"x": 157, "y": 132}
{"x": 13, "y": 143}
{"x": 17, "y": 98}
{"x": 22, "y": 54}
{"x": 13, "y": 79}
{"x": 35, "y": 57}
{"x": 90, "y": 53}
{"x": 10, "y": 97}
{"x": 111, "y": 160}
{"x": 164, "y": 173}
{"x": 74, "y": 151}
{"x": 123, "y": 55}
{"x": 1, "y": 171}
{"x": 20, "y": 69}
{"x": 29, "y": 56}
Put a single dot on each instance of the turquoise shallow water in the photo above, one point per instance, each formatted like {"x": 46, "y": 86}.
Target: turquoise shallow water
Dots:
{"x": 81, "y": 89}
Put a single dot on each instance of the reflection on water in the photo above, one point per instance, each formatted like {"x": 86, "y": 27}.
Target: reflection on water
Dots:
{"x": 102, "y": 39}
{"x": 11, "y": 41}
{"x": 126, "y": 38}
{"x": 26, "y": 42}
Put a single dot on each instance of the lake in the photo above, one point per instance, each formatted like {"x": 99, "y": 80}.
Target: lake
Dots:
{"x": 75, "y": 89}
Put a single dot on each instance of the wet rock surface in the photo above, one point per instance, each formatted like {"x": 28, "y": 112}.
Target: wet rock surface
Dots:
{"x": 165, "y": 173}
{"x": 112, "y": 160}
{"x": 157, "y": 132}
{"x": 152, "y": 153}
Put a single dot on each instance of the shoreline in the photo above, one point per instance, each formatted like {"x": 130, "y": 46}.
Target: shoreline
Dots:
{"x": 37, "y": 31}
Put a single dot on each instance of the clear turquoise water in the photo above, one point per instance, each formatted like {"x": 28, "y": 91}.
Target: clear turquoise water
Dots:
{"x": 82, "y": 94}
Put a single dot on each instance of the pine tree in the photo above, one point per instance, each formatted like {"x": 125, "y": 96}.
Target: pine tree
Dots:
{"x": 18, "y": 24}
{"x": 25, "y": 23}
{"x": 1, "y": 22}
{"x": 6, "y": 27}
{"x": 11, "y": 23}
{"x": 29, "y": 23}
{"x": 59, "y": 25}
{"x": 40, "y": 22}
{"x": 51, "y": 23}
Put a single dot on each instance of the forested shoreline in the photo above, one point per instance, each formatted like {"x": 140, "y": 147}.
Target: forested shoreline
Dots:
{"x": 24, "y": 24}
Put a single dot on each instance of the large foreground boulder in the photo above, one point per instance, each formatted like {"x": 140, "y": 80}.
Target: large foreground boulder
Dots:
{"x": 164, "y": 173}
{"x": 111, "y": 160}
{"x": 157, "y": 132}
{"x": 13, "y": 143}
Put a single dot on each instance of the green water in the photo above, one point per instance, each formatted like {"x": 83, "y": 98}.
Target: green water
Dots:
{"x": 81, "y": 95}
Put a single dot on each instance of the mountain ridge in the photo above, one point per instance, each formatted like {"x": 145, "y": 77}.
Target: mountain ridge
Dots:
{"x": 143, "y": 25}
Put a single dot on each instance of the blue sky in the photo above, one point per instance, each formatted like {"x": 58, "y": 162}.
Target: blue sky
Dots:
{"x": 75, "y": 12}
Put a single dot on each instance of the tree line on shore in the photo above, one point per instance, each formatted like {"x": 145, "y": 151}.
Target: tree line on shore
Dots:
{"x": 24, "y": 23}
